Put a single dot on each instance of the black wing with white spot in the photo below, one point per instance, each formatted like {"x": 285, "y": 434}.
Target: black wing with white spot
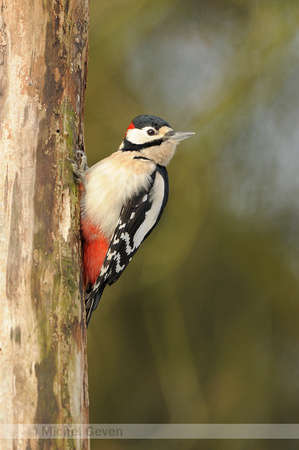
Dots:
{"x": 136, "y": 221}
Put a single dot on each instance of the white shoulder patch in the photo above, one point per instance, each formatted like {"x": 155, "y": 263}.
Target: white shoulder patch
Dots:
{"x": 157, "y": 196}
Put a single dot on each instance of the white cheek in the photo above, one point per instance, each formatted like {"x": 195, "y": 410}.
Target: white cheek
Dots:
{"x": 137, "y": 136}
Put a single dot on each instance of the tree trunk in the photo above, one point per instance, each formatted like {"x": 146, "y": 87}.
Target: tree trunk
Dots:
{"x": 43, "y": 65}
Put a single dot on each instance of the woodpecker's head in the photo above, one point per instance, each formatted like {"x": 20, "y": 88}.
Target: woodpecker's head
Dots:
{"x": 153, "y": 137}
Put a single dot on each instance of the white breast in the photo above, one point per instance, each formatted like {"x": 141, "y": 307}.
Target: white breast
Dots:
{"x": 110, "y": 183}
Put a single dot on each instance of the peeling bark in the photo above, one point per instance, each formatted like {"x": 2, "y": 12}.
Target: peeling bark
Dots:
{"x": 43, "y": 67}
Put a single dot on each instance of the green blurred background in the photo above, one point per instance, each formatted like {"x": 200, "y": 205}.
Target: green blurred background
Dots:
{"x": 203, "y": 325}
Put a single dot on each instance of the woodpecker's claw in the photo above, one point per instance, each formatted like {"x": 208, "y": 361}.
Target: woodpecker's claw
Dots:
{"x": 80, "y": 171}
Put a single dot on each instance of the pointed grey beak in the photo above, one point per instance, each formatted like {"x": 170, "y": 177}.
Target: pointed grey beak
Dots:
{"x": 178, "y": 136}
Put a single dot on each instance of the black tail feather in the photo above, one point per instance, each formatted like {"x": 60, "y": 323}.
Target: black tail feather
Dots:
{"x": 92, "y": 299}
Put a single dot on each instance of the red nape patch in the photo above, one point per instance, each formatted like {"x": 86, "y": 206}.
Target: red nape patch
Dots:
{"x": 130, "y": 127}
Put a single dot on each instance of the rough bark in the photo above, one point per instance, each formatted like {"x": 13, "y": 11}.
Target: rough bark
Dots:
{"x": 43, "y": 64}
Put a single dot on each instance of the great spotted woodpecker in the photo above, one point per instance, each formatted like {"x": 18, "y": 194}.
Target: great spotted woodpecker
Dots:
{"x": 122, "y": 199}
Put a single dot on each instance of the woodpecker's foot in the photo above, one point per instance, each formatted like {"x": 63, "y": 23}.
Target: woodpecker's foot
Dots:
{"x": 79, "y": 170}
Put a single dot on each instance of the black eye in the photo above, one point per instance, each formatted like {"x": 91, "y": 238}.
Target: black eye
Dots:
{"x": 151, "y": 132}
